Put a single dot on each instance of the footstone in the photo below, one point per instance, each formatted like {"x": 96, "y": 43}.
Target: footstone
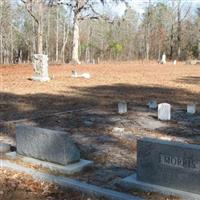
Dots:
{"x": 122, "y": 107}
{"x": 164, "y": 111}
{"x": 169, "y": 164}
{"x": 191, "y": 108}
{"x": 4, "y": 147}
{"x": 40, "y": 67}
{"x": 47, "y": 145}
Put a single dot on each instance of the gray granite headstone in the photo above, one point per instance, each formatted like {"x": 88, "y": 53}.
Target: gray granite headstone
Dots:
{"x": 47, "y": 145}
{"x": 40, "y": 67}
{"x": 170, "y": 164}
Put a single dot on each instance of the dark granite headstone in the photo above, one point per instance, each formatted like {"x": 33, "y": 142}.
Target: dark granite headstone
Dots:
{"x": 170, "y": 164}
{"x": 47, "y": 145}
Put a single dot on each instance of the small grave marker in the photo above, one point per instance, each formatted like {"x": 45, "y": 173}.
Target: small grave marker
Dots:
{"x": 152, "y": 104}
{"x": 122, "y": 107}
{"x": 164, "y": 111}
{"x": 191, "y": 108}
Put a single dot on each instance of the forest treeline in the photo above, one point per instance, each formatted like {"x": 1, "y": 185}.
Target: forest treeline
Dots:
{"x": 35, "y": 26}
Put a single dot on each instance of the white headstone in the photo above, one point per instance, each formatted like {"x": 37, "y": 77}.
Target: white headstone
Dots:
{"x": 163, "y": 61}
{"x": 164, "y": 111}
{"x": 152, "y": 104}
{"x": 122, "y": 107}
{"x": 174, "y": 62}
{"x": 191, "y": 108}
{"x": 40, "y": 67}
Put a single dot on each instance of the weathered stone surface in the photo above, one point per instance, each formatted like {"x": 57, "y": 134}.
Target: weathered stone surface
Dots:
{"x": 47, "y": 145}
{"x": 4, "y": 147}
{"x": 122, "y": 107}
{"x": 170, "y": 164}
{"x": 164, "y": 111}
{"x": 40, "y": 67}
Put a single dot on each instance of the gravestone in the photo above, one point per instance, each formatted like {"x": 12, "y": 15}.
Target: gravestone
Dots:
{"x": 164, "y": 111}
{"x": 174, "y": 62}
{"x": 122, "y": 107}
{"x": 163, "y": 60}
{"x": 152, "y": 104}
{"x": 170, "y": 164}
{"x": 40, "y": 67}
{"x": 191, "y": 108}
{"x": 46, "y": 145}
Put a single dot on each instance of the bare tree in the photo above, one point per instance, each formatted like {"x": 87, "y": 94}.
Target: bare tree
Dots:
{"x": 198, "y": 13}
{"x": 36, "y": 9}
{"x": 82, "y": 9}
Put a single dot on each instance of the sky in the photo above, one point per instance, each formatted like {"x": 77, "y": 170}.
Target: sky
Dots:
{"x": 139, "y": 5}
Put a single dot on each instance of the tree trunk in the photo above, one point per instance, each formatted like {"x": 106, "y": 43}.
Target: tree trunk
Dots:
{"x": 48, "y": 32}
{"x": 179, "y": 32}
{"x": 40, "y": 29}
{"x": 75, "y": 57}
{"x": 1, "y": 35}
{"x": 11, "y": 46}
{"x": 57, "y": 34}
{"x": 199, "y": 48}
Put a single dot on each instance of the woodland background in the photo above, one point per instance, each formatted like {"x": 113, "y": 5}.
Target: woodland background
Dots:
{"x": 170, "y": 26}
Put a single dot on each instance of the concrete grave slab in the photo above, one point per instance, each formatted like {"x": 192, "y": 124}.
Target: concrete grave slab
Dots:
{"x": 67, "y": 169}
{"x": 131, "y": 182}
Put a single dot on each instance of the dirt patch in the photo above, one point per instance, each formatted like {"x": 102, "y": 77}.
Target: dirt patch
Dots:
{"x": 17, "y": 186}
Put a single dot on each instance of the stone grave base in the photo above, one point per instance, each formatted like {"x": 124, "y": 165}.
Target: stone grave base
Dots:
{"x": 76, "y": 185}
{"x": 67, "y": 169}
{"x": 42, "y": 79}
{"x": 131, "y": 182}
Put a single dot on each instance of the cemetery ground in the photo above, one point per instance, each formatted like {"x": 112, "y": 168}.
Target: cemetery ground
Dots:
{"x": 86, "y": 109}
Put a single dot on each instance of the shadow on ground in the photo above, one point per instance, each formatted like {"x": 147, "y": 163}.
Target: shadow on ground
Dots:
{"x": 192, "y": 80}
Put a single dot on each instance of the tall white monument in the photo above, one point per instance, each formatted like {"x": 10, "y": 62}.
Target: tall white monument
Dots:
{"x": 40, "y": 67}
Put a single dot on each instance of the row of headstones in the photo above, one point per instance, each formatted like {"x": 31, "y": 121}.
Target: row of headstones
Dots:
{"x": 164, "y": 109}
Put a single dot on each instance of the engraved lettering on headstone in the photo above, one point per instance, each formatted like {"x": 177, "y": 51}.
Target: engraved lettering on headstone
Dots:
{"x": 178, "y": 162}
